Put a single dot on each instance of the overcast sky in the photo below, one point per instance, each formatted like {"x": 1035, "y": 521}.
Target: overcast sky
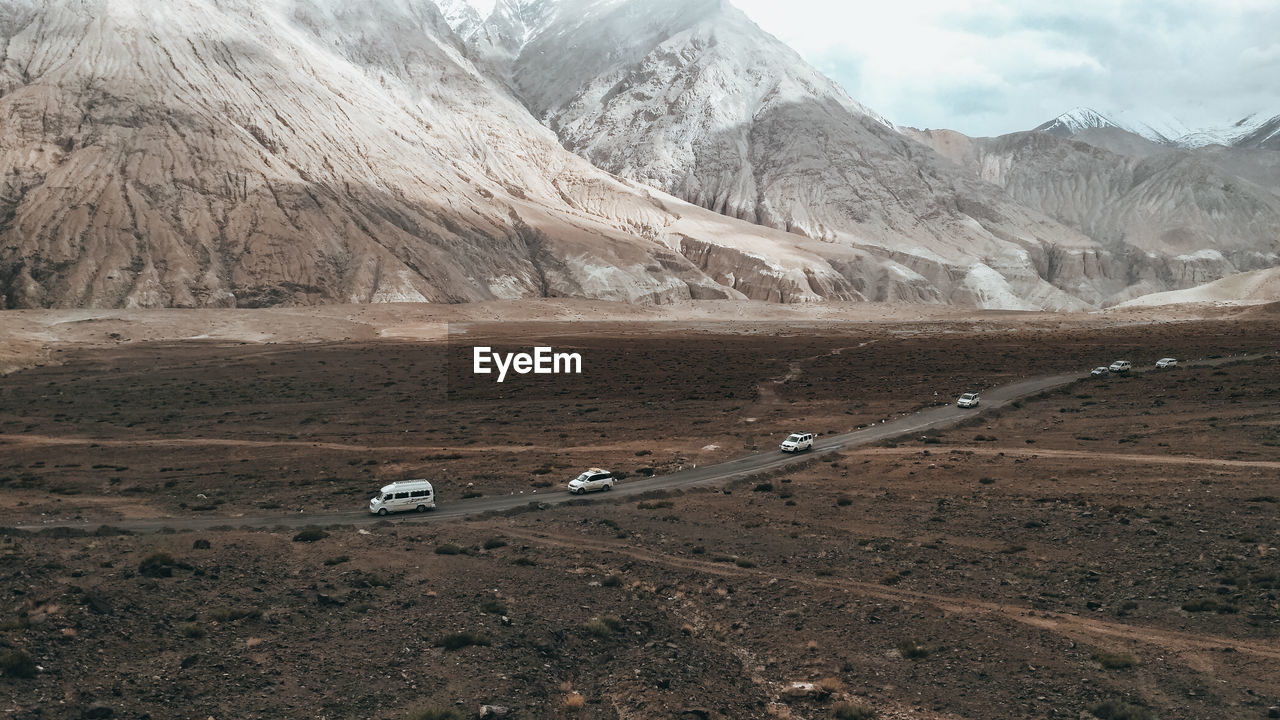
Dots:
{"x": 986, "y": 67}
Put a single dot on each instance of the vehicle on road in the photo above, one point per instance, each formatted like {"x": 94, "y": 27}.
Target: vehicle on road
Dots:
{"x": 968, "y": 400}
{"x": 798, "y": 442}
{"x": 1166, "y": 363}
{"x": 1121, "y": 366}
{"x": 1100, "y": 371}
{"x": 593, "y": 479}
{"x": 404, "y": 495}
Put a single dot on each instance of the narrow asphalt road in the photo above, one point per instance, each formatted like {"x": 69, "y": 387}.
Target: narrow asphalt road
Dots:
{"x": 930, "y": 418}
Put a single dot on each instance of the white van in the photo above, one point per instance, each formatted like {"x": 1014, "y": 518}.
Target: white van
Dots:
{"x": 404, "y": 495}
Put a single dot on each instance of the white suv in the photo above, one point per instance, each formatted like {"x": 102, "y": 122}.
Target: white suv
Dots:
{"x": 797, "y": 442}
{"x": 1166, "y": 363}
{"x": 968, "y": 400}
{"x": 1121, "y": 366}
{"x": 593, "y": 479}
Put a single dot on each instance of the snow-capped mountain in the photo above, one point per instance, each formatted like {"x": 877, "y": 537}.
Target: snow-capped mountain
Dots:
{"x": 461, "y": 16}
{"x": 692, "y": 97}
{"x": 1253, "y": 131}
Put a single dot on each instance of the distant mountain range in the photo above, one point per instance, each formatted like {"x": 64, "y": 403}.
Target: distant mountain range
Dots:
{"x": 267, "y": 152}
{"x": 1253, "y": 132}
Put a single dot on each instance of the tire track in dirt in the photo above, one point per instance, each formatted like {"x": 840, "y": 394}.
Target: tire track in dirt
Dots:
{"x": 1067, "y": 625}
{"x": 767, "y": 391}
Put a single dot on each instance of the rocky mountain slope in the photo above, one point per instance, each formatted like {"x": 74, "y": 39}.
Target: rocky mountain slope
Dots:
{"x": 1249, "y": 288}
{"x": 202, "y": 153}
{"x": 229, "y": 152}
{"x": 1181, "y": 218}
{"x": 693, "y": 98}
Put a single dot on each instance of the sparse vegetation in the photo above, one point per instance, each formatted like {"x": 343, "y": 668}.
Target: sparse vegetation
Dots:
{"x": 844, "y": 501}
{"x": 195, "y": 631}
{"x": 912, "y": 650}
{"x": 494, "y": 606}
{"x": 1115, "y": 661}
{"x": 337, "y": 560}
{"x": 310, "y": 535}
{"x": 437, "y": 712}
{"x": 828, "y": 686}
{"x": 574, "y": 701}
{"x": 602, "y": 626}
{"x": 1120, "y": 710}
{"x": 654, "y": 504}
{"x": 611, "y": 581}
{"x": 17, "y": 663}
{"x": 157, "y": 564}
{"x": 494, "y": 543}
{"x": 232, "y": 614}
{"x": 450, "y": 549}
{"x": 853, "y": 711}
{"x": 1208, "y": 605}
{"x": 459, "y": 640}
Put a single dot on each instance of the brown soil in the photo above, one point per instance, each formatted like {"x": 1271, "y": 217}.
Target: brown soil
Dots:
{"x": 1127, "y": 519}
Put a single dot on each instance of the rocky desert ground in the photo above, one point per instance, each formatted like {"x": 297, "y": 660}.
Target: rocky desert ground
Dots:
{"x": 1106, "y": 550}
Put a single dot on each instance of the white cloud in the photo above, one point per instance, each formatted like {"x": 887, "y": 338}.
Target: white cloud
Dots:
{"x": 988, "y": 66}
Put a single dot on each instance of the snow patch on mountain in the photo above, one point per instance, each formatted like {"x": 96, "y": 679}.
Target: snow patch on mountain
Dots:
{"x": 1164, "y": 129}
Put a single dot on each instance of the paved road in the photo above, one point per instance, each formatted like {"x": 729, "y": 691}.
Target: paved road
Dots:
{"x": 749, "y": 465}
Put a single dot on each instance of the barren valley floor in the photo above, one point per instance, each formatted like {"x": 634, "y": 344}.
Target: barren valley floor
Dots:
{"x": 1114, "y": 541}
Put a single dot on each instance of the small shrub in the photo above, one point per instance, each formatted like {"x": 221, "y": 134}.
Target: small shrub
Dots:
{"x": 450, "y": 549}
{"x": 602, "y": 626}
{"x": 13, "y": 624}
{"x": 744, "y": 563}
{"x": 437, "y": 712}
{"x": 457, "y": 641}
{"x": 654, "y": 504}
{"x": 611, "y": 581}
{"x": 524, "y": 562}
{"x": 1120, "y": 710}
{"x": 829, "y": 686}
{"x": 844, "y": 501}
{"x": 195, "y": 631}
{"x": 157, "y": 564}
{"x": 311, "y": 535}
{"x": 336, "y": 560}
{"x": 18, "y": 664}
{"x": 472, "y": 494}
{"x": 362, "y": 579}
{"x": 493, "y": 606}
{"x": 912, "y": 650}
{"x": 494, "y": 542}
{"x": 1208, "y": 605}
{"x": 763, "y": 487}
{"x": 986, "y": 480}
{"x": 1115, "y": 661}
{"x": 853, "y": 711}
{"x": 232, "y": 614}
{"x": 574, "y": 701}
